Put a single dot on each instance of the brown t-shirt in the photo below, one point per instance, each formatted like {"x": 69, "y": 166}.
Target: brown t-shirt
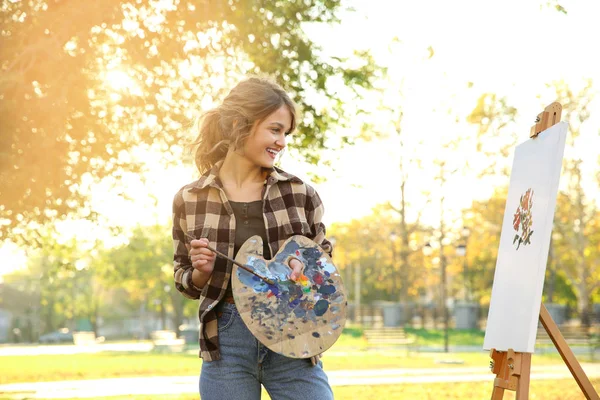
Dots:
{"x": 249, "y": 221}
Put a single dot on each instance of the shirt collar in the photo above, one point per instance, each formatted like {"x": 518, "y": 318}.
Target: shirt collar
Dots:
{"x": 280, "y": 175}
{"x": 211, "y": 177}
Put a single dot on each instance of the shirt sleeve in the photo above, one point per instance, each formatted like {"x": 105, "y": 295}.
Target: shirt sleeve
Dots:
{"x": 182, "y": 265}
{"x": 314, "y": 214}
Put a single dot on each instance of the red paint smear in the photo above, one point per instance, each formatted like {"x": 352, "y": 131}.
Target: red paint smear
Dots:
{"x": 270, "y": 294}
{"x": 318, "y": 279}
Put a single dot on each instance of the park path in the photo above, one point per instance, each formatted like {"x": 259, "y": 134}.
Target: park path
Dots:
{"x": 188, "y": 384}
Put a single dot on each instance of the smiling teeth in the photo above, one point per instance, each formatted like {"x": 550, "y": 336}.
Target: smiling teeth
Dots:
{"x": 274, "y": 152}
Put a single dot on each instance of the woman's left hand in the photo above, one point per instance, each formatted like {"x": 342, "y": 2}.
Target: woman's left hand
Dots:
{"x": 297, "y": 268}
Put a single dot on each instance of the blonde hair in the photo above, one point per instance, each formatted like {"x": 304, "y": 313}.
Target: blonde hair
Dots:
{"x": 247, "y": 104}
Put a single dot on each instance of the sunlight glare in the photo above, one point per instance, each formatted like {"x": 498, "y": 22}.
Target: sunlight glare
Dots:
{"x": 119, "y": 80}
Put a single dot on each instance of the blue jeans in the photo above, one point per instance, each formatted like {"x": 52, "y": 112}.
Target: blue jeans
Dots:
{"x": 245, "y": 364}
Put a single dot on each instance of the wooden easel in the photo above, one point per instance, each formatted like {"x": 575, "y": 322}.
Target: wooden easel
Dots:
{"x": 512, "y": 368}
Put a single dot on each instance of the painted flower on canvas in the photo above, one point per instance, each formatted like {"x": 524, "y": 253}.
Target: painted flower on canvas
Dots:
{"x": 523, "y": 221}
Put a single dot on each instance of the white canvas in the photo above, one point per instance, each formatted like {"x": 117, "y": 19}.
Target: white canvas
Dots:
{"x": 521, "y": 264}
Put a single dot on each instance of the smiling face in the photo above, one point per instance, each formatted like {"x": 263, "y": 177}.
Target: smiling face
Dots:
{"x": 268, "y": 138}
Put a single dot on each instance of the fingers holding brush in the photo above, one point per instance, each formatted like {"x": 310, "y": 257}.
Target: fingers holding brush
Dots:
{"x": 202, "y": 258}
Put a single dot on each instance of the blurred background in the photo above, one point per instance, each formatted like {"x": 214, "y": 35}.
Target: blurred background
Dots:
{"x": 410, "y": 112}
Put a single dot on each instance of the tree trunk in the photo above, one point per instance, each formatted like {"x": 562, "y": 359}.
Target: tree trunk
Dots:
{"x": 177, "y": 302}
{"x": 551, "y": 275}
{"x": 583, "y": 300}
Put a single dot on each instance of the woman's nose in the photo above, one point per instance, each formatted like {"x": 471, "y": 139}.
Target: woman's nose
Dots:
{"x": 280, "y": 141}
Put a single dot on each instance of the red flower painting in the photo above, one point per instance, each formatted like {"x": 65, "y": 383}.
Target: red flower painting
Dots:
{"x": 523, "y": 221}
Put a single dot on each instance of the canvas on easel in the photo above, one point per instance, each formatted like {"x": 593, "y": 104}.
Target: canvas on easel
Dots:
{"x": 524, "y": 242}
{"x": 515, "y": 306}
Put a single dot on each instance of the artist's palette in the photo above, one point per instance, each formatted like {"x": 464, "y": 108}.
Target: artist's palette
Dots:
{"x": 296, "y": 319}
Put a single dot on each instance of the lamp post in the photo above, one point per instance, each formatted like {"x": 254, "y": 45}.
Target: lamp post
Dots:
{"x": 393, "y": 237}
{"x": 427, "y": 251}
{"x": 441, "y": 259}
{"x": 443, "y": 295}
{"x": 461, "y": 250}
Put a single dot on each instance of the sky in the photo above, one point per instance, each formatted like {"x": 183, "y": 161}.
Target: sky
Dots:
{"x": 511, "y": 48}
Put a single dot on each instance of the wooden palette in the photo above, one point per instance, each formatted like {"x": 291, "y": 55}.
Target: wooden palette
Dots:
{"x": 296, "y": 319}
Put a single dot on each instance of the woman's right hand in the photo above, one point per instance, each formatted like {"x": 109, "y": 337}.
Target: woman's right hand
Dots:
{"x": 203, "y": 259}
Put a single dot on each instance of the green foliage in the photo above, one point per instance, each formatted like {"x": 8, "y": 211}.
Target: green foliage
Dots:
{"x": 67, "y": 281}
{"x": 496, "y": 135}
{"x": 78, "y": 97}
{"x": 575, "y": 239}
{"x": 57, "y": 287}
{"x": 143, "y": 268}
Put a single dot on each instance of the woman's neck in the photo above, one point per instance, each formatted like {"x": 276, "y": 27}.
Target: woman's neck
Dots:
{"x": 237, "y": 171}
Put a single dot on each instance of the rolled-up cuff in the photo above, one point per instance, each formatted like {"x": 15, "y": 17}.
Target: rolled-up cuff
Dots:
{"x": 191, "y": 289}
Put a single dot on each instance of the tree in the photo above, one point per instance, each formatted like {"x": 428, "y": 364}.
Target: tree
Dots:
{"x": 495, "y": 138}
{"x": 77, "y": 97}
{"x": 143, "y": 269}
{"x": 574, "y": 223}
{"x": 406, "y": 230}
{"x": 485, "y": 225}
{"x": 58, "y": 286}
{"x": 365, "y": 242}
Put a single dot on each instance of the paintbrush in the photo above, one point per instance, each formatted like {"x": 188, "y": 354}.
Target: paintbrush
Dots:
{"x": 242, "y": 266}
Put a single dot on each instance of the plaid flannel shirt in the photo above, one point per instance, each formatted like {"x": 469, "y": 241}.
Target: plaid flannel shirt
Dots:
{"x": 201, "y": 210}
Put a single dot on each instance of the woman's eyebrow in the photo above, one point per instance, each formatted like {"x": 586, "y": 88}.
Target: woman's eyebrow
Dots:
{"x": 280, "y": 125}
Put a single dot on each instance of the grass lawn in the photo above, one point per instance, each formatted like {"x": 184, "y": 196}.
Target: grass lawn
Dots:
{"x": 349, "y": 352}
{"x": 565, "y": 389}
{"x": 435, "y": 337}
{"x": 110, "y": 365}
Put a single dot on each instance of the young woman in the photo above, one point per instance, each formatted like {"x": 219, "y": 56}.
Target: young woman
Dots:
{"x": 241, "y": 194}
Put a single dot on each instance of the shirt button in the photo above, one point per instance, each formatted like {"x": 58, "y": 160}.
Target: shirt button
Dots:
{"x": 209, "y": 306}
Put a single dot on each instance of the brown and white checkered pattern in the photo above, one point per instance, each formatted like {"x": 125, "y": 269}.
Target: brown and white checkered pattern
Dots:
{"x": 201, "y": 210}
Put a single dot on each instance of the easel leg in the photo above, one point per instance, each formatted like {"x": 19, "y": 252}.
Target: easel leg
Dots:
{"x": 498, "y": 393}
{"x": 567, "y": 355}
{"x": 523, "y": 385}
{"x": 512, "y": 373}
{"x": 500, "y": 368}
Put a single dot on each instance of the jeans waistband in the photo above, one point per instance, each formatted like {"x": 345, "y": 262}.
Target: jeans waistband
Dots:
{"x": 223, "y": 305}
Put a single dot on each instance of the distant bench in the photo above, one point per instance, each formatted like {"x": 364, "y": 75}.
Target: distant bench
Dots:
{"x": 389, "y": 336}
{"x": 84, "y": 338}
{"x": 166, "y": 341}
{"x": 574, "y": 336}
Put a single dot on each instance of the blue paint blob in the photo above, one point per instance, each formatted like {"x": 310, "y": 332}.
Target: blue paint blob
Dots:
{"x": 299, "y": 312}
{"x": 274, "y": 289}
{"x": 329, "y": 268}
{"x": 316, "y": 334}
{"x": 294, "y": 303}
{"x": 261, "y": 288}
{"x": 327, "y": 289}
{"x": 321, "y": 307}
